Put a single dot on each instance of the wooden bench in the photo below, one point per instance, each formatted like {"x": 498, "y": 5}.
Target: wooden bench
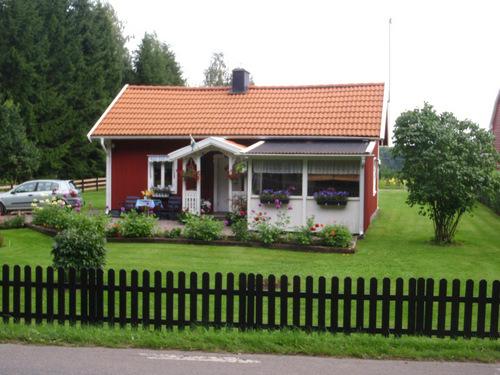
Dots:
{"x": 171, "y": 208}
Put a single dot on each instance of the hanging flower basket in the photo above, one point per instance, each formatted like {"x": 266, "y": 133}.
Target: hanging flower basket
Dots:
{"x": 190, "y": 174}
{"x": 233, "y": 173}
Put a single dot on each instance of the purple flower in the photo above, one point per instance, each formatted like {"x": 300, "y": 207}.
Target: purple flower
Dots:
{"x": 209, "y": 208}
{"x": 277, "y": 201}
{"x": 227, "y": 222}
{"x": 260, "y": 204}
{"x": 202, "y": 218}
{"x": 123, "y": 209}
{"x": 107, "y": 207}
{"x": 62, "y": 204}
{"x": 264, "y": 219}
{"x": 289, "y": 207}
{"x": 77, "y": 209}
{"x": 278, "y": 206}
{"x": 253, "y": 211}
{"x": 202, "y": 211}
{"x": 65, "y": 196}
{"x": 90, "y": 204}
{"x": 151, "y": 212}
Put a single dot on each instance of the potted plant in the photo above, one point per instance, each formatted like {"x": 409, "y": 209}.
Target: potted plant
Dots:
{"x": 272, "y": 196}
{"x": 331, "y": 197}
{"x": 238, "y": 171}
{"x": 147, "y": 193}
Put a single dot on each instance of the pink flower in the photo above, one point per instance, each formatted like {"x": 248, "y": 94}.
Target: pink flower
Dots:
{"x": 277, "y": 201}
{"x": 278, "y": 206}
{"x": 65, "y": 196}
{"x": 107, "y": 207}
{"x": 227, "y": 222}
{"x": 260, "y": 204}
{"x": 289, "y": 207}
{"x": 90, "y": 204}
{"x": 77, "y": 209}
{"x": 123, "y": 209}
{"x": 202, "y": 218}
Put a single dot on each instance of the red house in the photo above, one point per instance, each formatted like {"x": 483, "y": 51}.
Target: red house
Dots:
{"x": 302, "y": 138}
{"x": 495, "y": 122}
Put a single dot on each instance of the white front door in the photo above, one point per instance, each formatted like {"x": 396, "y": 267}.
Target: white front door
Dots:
{"x": 221, "y": 184}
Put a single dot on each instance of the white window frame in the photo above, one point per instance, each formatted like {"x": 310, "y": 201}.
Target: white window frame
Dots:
{"x": 163, "y": 159}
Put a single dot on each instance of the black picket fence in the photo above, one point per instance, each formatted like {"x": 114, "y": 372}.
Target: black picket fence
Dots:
{"x": 415, "y": 307}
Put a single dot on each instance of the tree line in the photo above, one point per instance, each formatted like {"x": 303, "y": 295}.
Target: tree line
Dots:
{"x": 61, "y": 63}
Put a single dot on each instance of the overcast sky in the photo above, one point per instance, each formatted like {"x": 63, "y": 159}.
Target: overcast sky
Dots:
{"x": 444, "y": 52}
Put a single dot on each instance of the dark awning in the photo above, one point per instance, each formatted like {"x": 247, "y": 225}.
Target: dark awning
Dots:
{"x": 311, "y": 148}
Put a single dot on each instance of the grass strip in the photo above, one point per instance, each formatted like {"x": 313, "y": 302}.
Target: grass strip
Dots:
{"x": 287, "y": 342}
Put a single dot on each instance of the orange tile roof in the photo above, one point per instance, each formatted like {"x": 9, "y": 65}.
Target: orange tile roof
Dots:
{"x": 353, "y": 110}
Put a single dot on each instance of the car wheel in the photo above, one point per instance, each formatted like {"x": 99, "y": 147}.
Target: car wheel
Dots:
{"x": 3, "y": 210}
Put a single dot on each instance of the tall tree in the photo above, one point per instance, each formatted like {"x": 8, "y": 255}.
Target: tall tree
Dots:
{"x": 63, "y": 61}
{"x": 19, "y": 158}
{"x": 155, "y": 64}
{"x": 447, "y": 163}
{"x": 217, "y": 73}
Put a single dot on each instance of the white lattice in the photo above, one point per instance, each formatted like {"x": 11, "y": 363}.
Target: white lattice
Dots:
{"x": 191, "y": 201}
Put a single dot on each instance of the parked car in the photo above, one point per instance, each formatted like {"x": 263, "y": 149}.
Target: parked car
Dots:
{"x": 22, "y": 196}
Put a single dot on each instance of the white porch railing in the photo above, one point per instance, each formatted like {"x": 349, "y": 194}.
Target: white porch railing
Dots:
{"x": 190, "y": 198}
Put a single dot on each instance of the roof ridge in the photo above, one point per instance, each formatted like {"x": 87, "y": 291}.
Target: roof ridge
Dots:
{"x": 254, "y": 87}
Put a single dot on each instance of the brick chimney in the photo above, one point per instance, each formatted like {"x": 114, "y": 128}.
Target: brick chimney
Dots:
{"x": 241, "y": 79}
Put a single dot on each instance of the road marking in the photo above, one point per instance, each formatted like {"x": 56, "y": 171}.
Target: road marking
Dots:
{"x": 199, "y": 358}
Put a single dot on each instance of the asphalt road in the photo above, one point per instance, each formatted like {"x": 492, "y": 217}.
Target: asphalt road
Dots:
{"x": 54, "y": 360}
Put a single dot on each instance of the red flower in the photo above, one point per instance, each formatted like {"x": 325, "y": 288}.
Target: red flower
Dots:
{"x": 313, "y": 229}
{"x": 242, "y": 213}
{"x": 257, "y": 219}
{"x": 317, "y": 225}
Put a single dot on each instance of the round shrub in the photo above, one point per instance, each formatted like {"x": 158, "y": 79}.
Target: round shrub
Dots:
{"x": 336, "y": 236}
{"x": 203, "y": 228}
{"x": 79, "y": 248}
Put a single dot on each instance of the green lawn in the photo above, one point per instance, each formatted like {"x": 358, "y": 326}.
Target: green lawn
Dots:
{"x": 397, "y": 244}
{"x": 97, "y": 198}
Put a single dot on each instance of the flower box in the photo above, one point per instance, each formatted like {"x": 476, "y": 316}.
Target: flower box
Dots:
{"x": 273, "y": 201}
{"x": 332, "y": 203}
{"x": 161, "y": 195}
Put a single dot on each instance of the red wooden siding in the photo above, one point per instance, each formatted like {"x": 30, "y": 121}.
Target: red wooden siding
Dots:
{"x": 496, "y": 126}
{"x": 129, "y": 168}
{"x": 371, "y": 201}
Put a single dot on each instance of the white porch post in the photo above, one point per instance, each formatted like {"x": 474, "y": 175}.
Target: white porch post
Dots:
{"x": 304, "y": 191}
{"x": 230, "y": 182}
{"x": 249, "y": 187}
{"x": 198, "y": 183}
{"x": 362, "y": 195}
{"x": 184, "y": 195}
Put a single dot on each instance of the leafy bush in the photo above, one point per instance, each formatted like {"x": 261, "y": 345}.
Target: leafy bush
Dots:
{"x": 203, "y": 228}
{"x": 16, "y": 221}
{"x": 303, "y": 235}
{"x": 336, "y": 236}
{"x": 133, "y": 225}
{"x": 174, "y": 233}
{"x": 79, "y": 248}
{"x": 240, "y": 231}
{"x": 267, "y": 231}
{"x": 51, "y": 213}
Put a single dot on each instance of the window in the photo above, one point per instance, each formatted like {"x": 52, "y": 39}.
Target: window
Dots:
{"x": 26, "y": 188}
{"x": 47, "y": 186}
{"x": 162, "y": 173}
{"x": 277, "y": 175}
{"x": 342, "y": 175}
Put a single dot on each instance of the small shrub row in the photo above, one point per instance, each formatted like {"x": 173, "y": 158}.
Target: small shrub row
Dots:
{"x": 12, "y": 221}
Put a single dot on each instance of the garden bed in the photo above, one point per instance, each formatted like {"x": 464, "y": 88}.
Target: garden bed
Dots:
{"x": 229, "y": 241}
